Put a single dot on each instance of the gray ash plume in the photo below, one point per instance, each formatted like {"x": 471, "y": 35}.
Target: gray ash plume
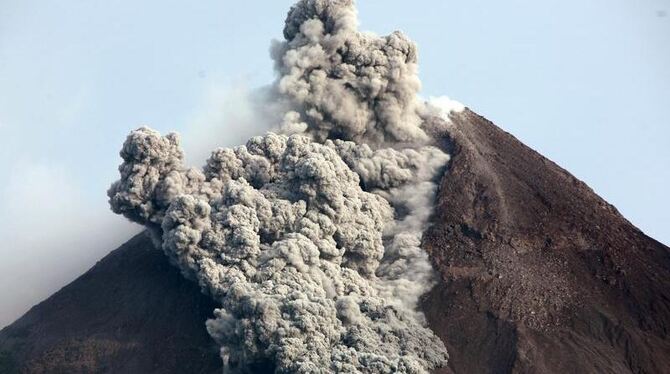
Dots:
{"x": 309, "y": 239}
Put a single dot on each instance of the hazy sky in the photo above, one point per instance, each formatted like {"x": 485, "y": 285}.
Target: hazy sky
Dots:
{"x": 585, "y": 83}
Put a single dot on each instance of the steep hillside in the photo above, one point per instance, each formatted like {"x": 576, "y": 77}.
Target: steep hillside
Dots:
{"x": 540, "y": 275}
{"x": 131, "y": 313}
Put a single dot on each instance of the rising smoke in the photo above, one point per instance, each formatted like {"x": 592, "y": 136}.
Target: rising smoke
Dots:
{"x": 342, "y": 83}
{"x": 309, "y": 239}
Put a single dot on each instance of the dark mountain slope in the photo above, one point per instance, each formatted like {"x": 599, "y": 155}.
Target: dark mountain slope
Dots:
{"x": 131, "y": 313}
{"x": 540, "y": 275}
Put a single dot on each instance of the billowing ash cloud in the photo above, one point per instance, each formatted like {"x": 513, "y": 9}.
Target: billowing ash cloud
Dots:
{"x": 282, "y": 234}
{"x": 310, "y": 239}
{"x": 345, "y": 84}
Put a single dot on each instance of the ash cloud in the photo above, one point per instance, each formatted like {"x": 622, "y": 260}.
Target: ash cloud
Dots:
{"x": 341, "y": 83}
{"x": 282, "y": 234}
{"x": 310, "y": 239}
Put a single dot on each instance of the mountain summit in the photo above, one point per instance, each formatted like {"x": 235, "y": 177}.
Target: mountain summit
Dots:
{"x": 367, "y": 231}
{"x": 537, "y": 274}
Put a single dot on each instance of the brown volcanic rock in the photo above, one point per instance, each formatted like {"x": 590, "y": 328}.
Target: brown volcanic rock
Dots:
{"x": 539, "y": 274}
{"x": 131, "y": 313}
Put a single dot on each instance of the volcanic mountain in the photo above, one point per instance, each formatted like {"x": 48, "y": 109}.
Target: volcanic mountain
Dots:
{"x": 537, "y": 273}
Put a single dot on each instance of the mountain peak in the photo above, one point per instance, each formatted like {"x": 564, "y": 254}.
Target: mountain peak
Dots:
{"x": 537, "y": 274}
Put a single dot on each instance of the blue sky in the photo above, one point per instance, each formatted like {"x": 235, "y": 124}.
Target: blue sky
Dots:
{"x": 585, "y": 83}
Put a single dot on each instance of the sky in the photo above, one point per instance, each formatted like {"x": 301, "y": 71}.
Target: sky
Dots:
{"x": 587, "y": 84}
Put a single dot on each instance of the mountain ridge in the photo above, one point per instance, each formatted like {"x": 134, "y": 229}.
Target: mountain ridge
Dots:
{"x": 548, "y": 276}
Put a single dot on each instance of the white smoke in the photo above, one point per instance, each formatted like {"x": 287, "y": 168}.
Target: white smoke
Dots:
{"x": 310, "y": 240}
{"x": 442, "y": 107}
{"x": 227, "y": 116}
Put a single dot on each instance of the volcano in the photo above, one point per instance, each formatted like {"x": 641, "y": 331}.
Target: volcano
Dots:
{"x": 537, "y": 274}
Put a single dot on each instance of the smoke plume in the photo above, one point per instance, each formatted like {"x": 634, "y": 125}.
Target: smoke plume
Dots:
{"x": 310, "y": 238}
{"x": 341, "y": 83}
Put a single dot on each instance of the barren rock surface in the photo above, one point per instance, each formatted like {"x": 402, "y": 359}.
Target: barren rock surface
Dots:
{"x": 540, "y": 275}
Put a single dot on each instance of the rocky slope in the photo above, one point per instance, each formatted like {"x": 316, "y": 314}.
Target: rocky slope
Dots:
{"x": 539, "y": 275}
{"x": 131, "y": 313}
